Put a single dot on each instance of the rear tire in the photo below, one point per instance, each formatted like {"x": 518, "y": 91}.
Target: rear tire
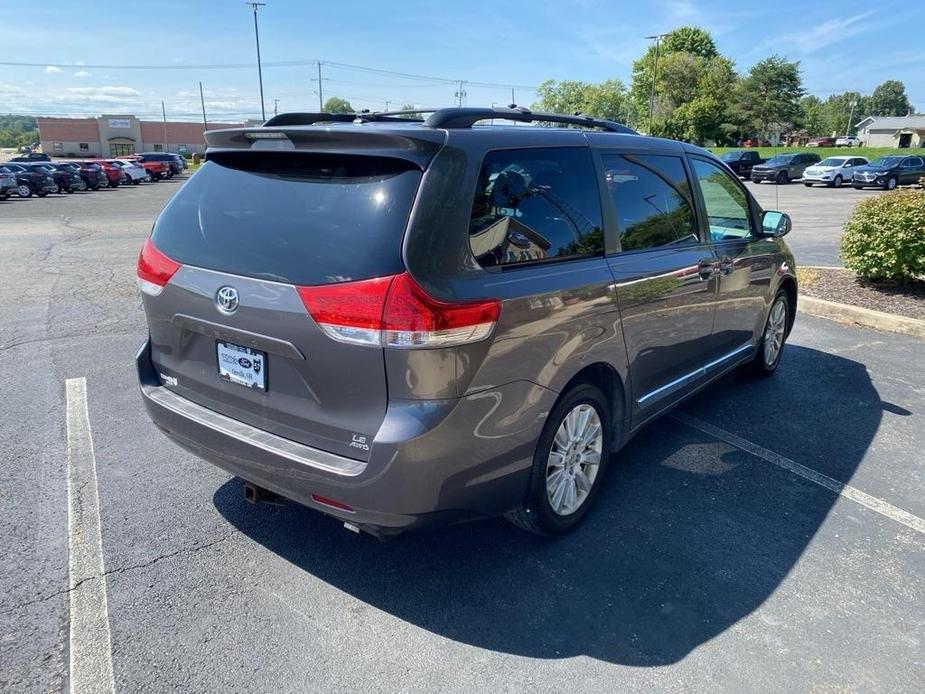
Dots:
{"x": 24, "y": 191}
{"x": 568, "y": 464}
{"x": 774, "y": 337}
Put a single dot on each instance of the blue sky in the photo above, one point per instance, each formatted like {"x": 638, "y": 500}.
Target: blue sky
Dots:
{"x": 840, "y": 46}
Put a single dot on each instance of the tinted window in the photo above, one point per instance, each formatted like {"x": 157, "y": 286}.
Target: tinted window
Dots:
{"x": 652, "y": 200}
{"x": 726, "y": 202}
{"x": 536, "y": 204}
{"x": 300, "y": 218}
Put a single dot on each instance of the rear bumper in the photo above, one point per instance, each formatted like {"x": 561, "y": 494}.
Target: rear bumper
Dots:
{"x": 432, "y": 462}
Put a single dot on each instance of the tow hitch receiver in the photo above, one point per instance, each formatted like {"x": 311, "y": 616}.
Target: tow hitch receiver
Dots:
{"x": 257, "y": 495}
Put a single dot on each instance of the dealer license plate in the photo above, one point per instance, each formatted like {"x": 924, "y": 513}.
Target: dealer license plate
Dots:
{"x": 242, "y": 365}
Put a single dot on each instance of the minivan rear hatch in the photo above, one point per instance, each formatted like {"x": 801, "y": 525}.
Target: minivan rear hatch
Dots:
{"x": 229, "y": 330}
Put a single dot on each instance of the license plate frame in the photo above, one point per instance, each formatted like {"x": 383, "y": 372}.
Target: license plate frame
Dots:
{"x": 241, "y": 365}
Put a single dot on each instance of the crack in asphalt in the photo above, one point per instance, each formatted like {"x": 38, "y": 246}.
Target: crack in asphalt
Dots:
{"x": 118, "y": 570}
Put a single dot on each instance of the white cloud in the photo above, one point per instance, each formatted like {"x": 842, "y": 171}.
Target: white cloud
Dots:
{"x": 81, "y": 73}
{"x": 105, "y": 91}
{"x": 52, "y": 68}
{"x": 827, "y": 33}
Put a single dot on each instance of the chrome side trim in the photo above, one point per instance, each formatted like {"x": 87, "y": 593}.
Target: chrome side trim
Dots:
{"x": 252, "y": 436}
{"x": 678, "y": 383}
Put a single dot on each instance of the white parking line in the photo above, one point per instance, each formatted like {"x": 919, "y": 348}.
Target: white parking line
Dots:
{"x": 90, "y": 640}
{"x": 875, "y": 504}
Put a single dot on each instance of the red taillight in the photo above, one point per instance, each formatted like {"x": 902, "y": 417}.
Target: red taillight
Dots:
{"x": 412, "y": 318}
{"x": 395, "y": 312}
{"x": 349, "y": 311}
{"x": 154, "y": 269}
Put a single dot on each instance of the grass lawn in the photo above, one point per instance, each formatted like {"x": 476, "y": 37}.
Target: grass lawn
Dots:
{"x": 823, "y": 152}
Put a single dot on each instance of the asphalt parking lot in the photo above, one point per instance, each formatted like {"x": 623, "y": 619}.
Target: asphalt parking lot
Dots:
{"x": 766, "y": 538}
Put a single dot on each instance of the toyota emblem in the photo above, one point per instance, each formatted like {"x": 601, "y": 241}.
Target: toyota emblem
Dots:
{"x": 226, "y": 300}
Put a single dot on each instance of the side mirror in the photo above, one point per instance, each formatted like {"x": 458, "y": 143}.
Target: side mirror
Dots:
{"x": 775, "y": 223}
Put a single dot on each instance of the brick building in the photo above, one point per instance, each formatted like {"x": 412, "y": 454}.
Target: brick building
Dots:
{"x": 119, "y": 136}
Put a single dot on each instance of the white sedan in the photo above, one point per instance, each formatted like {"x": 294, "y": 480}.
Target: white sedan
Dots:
{"x": 135, "y": 171}
{"x": 833, "y": 171}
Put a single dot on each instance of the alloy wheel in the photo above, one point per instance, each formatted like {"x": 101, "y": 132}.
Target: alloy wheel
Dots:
{"x": 774, "y": 333}
{"x": 574, "y": 459}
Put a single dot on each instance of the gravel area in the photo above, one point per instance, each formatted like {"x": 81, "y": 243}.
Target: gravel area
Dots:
{"x": 844, "y": 287}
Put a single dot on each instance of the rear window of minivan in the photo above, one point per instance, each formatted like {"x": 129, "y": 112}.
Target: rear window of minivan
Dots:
{"x": 302, "y": 218}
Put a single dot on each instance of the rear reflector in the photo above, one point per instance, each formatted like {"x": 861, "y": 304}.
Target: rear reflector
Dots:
{"x": 154, "y": 269}
{"x": 333, "y": 503}
{"x": 396, "y": 312}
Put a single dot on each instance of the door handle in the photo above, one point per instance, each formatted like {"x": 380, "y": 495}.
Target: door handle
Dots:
{"x": 706, "y": 268}
{"x": 726, "y": 266}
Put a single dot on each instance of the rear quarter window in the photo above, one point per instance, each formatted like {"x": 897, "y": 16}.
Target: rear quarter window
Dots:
{"x": 302, "y": 218}
{"x": 534, "y": 205}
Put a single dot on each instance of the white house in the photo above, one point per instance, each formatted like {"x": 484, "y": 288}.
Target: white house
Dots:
{"x": 892, "y": 131}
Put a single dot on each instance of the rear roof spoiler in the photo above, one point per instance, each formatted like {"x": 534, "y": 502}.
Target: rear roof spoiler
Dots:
{"x": 418, "y": 145}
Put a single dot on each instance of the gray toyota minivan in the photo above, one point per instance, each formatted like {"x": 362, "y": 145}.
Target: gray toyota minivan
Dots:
{"x": 404, "y": 321}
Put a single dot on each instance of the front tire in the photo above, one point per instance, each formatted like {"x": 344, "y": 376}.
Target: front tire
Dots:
{"x": 568, "y": 464}
{"x": 891, "y": 183}
{"x": 771, "y": 346}
{"x": 837, "y": 182}
{"x": 782, "y": 178}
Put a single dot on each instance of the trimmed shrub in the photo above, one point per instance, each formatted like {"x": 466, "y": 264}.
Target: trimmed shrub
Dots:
{"x": 885, "y": 237}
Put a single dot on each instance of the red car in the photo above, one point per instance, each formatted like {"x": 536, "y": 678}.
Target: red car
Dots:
{"x": 157, "y": 169}
{"x": 755, "y": 142}
{"x": 821, "y": 142}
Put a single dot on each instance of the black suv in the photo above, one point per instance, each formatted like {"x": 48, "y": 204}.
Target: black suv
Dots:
{"x": 31, "y": 156}
{"x": 783, "y": 168}
{"x": 30, "y": 181}
{"x": 401, "y": 323}
{"x": 890, "y": 171}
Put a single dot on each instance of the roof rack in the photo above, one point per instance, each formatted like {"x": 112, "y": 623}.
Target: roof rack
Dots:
{"x": 359, "y": 117}
{"x": 467, "y": 117}
{"x": 450, "y": 118}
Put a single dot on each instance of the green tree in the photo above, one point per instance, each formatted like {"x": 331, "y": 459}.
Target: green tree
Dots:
{"x": 889, "y": 99}
{"x": 337, "y": 105}
{"x": 812, "y": 115}
{"x": 604, "y": 100}
{"x": 18, "y": 131}
{"x": 842, "y": 111}
{"x": 768, "y": 98}
{"x": 692, "y": 91}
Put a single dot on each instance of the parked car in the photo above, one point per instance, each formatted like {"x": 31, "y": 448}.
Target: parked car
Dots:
{"x": 170, "y": 159}
{"x": 31, "y": 156}
{"x": 741, "y": 162}
{"x": 181, "y": 160}
{"x": 483, "y": 354}
{"x": 113, "y": 173}
{"x": 848, "y": 141}
{"x": 821, "y": 142}
{"x": 65, "y": 179}
{"x": 833, "y": 171}
{"x": 783, "y": 168}
{"x": 95, "y": 168}
{"x": 92, "y": 176}
{"x": 156, "y": 168}
{"x": 889, "y": 172}
{"x": 136, "y": 172}
{"x": 7, "y": 185}
{"x": 30, "y": 182}
{"x": 755, "y": 142}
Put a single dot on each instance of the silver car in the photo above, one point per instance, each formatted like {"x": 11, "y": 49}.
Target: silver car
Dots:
{"x": 833, "y": 171}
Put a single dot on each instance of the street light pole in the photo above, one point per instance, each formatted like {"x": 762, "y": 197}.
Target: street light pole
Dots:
{"x": 657, "y": 38}
{"x": 255, "y": 5}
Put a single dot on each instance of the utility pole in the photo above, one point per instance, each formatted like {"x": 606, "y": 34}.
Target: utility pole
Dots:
{"x": 164, "y": 112}
{"x": 255, "y": 5}
{"x": 387, "y": 104}
{"x": 320, "y": 93}
{"x": 657, "y": 38}
{"x": 275, "y": 107}
{"x": 202, "y": 100}
{"x": 460, "y": 93}
{"x": 850, "y": 117}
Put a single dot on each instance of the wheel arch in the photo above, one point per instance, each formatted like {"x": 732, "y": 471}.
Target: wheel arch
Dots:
{"x": 606, "y": 377}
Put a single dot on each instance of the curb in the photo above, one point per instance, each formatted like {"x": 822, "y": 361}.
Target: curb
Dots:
{"x": 869, "y": 318}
